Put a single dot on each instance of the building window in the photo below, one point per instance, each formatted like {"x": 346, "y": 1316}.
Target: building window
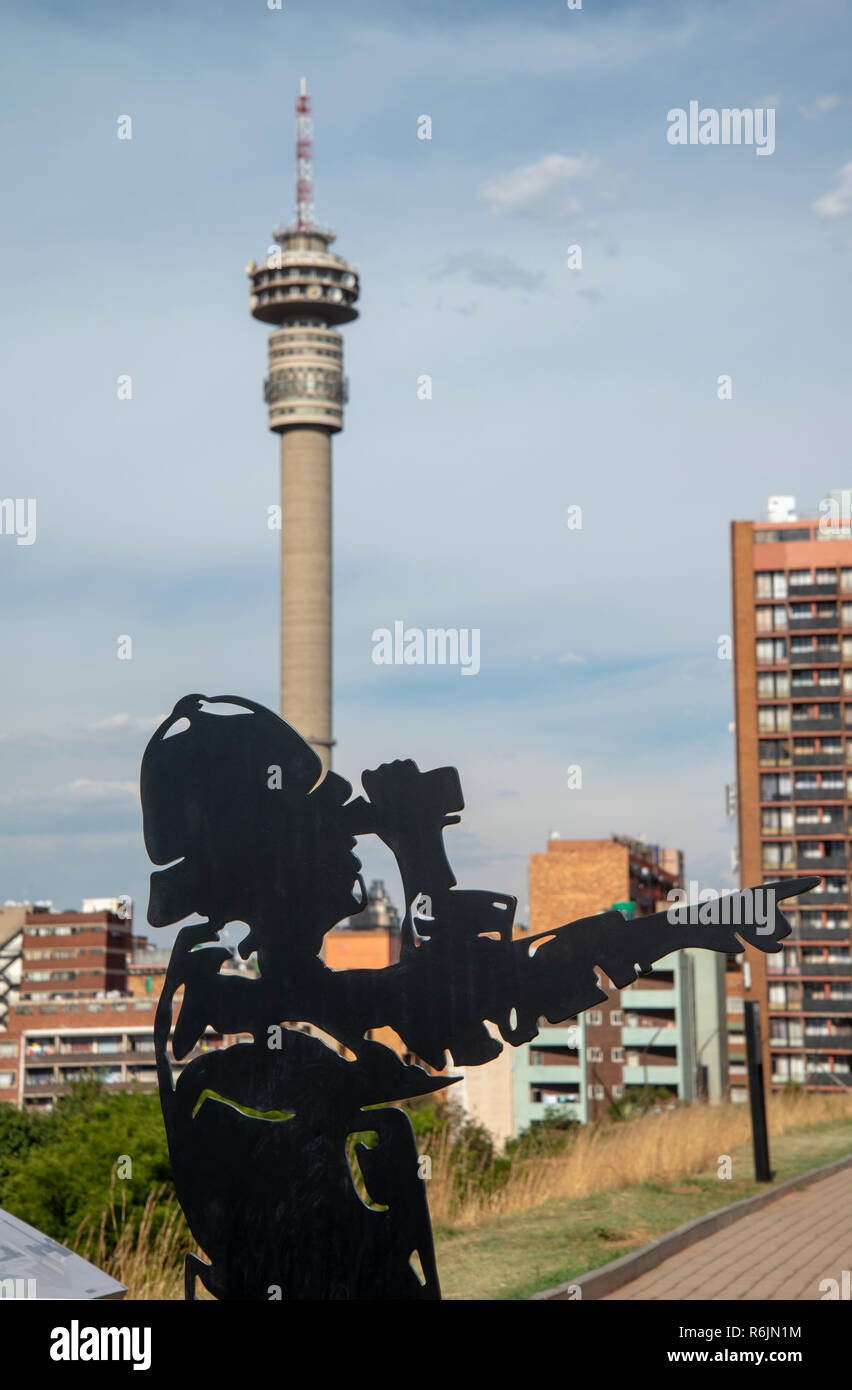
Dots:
{"x": 595, "y": 1054}
{"x": 618, "y": 1054}
{"x": 593, "y": 1017}
{"x": 616, "y": 1018}
{"x": 771, "y": 649}
{"x": 773, "y": 685}
{"x": 771, "y": 718}
{"x": 765, "y": 619}
{"x": 597, "y": 1092}
{"x": 770, "y": 583}
{"x": 618, "y": 1092}
{"x": 776, "y": 753}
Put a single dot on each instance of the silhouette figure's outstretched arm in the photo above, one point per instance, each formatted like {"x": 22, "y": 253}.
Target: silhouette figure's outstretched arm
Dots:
{"x": 445, "y": 989}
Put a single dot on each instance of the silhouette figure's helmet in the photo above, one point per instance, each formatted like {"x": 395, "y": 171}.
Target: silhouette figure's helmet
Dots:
{"x": 225, "y": 803}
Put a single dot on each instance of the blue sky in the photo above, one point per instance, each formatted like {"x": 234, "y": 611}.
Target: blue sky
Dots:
{"x": 551, "y": 388}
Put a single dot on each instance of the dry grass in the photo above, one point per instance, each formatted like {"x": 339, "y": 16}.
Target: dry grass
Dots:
{"x": 655, "y": 1148}
{"x": 149, "y": 1259}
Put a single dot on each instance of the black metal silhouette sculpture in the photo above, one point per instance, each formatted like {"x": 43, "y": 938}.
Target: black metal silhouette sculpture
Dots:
{"x": 236, "y": 809}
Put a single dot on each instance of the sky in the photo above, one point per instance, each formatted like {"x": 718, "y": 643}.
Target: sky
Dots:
{"x": 553, "y": 388}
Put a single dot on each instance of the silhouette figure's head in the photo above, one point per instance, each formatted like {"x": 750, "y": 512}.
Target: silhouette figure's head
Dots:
{"x": 233, "y": 805}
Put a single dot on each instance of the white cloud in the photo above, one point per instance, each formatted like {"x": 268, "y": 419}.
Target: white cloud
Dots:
{"x": 85, "y": 787}
{"x": 540, "y": 189}
{"x": 570, "y": 659}
{"x": 489, "y": 269}
{"x": 144, "y": 723}
{"x": 821, "y": 106}
{"x": 838, "y": 201}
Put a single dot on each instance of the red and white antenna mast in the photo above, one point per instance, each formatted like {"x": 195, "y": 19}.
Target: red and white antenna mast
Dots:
{"x": 304, "y": 159}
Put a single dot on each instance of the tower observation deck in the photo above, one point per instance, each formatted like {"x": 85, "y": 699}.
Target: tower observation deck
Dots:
{"x": 305, "y": 291}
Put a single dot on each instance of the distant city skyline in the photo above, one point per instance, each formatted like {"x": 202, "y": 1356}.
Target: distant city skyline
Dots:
{"x": 550, "y": 387}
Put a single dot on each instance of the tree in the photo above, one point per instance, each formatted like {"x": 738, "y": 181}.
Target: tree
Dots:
{"x": 63, "y": 1172}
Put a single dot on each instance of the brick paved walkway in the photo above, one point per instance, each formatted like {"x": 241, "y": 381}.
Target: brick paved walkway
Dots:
{"x": 783, "y": 1251}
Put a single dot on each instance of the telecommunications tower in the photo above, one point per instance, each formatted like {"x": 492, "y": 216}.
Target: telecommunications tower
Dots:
{"x": 305, "y": 291}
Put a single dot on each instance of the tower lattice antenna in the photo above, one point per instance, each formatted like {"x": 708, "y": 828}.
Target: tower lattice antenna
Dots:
{"x": 304, "y": 159}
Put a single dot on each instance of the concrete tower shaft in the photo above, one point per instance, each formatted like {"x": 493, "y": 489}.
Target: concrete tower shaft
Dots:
{"x": 306, "y": 569}
{"x": 305, "y": 291}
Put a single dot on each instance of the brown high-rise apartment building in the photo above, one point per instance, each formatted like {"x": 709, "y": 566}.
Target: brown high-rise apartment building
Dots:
{"x": 792, "y": 616}
{"x": 305, "y": 291}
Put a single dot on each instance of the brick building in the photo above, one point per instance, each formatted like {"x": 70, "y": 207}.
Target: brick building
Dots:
{"x": 666, "y": 1032}
{"x": 81, "y": 994}
{"x": 70, "y": 955}
{"x": 84, "y": 1005}
{"x": 792, "y": 628}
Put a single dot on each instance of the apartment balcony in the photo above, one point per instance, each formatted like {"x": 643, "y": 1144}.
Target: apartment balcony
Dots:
{"x": 553, "y": 1075}
{"x": 812, "y": 623}
{"x": 815, "y": 656}
{"x": 803, "y": 591}
{"x": 638, "y": 1000}
{"x": 543, "y": 1109}
{"x": 822, "y": 863}
{"x": 832, "y": 936}
{"x": 666, "y": 1035}
{"x": 824, "y": 899}
{"x": 833, "y": 831}
{"x": 816, "y": 1004}
{"x": 809, "y": 967}
{"x": 832, "y": 724}
{"x": 822, "y": 793}
{"x": 86, "y": 1057}
{"x": 816, "y": 759}
{"x": 829, "y": 1042}
{"x": 50, "y": 1084}
{"x": 651, "y": 1075}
